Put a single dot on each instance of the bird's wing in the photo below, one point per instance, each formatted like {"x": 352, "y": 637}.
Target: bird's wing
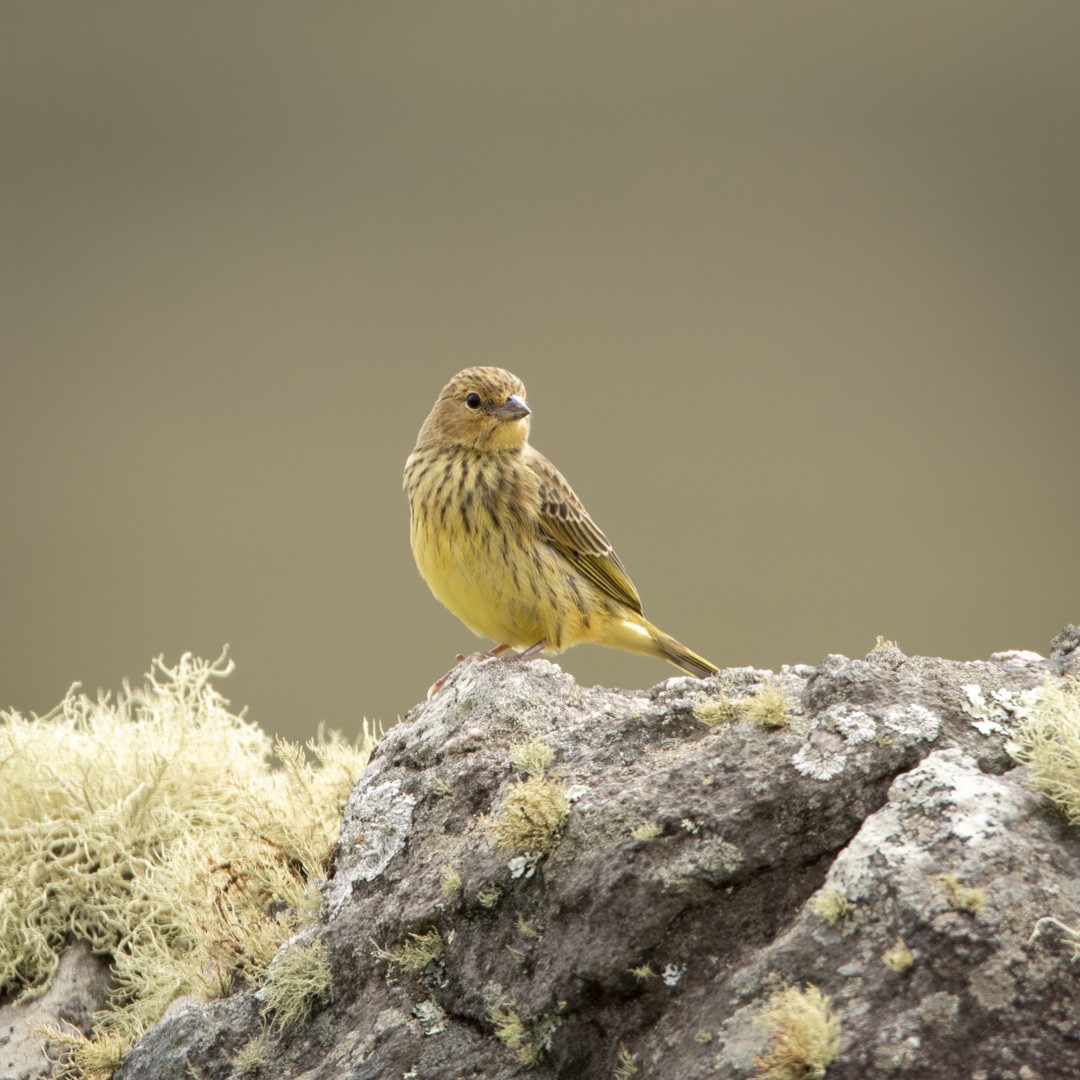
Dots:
{"x": 567, "y": 527}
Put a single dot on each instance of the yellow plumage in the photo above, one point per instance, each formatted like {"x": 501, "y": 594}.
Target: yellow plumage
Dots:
{"x": 504, "y": 543}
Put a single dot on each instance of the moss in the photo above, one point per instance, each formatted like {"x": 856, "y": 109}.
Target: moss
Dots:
{"x": 1049, "y": 743}
{"x": 962, "y": 897}
{"x": 625, "y": 1065}
{"x": 415, "y": 955}
{"x": 489, "y": 896}
{"x": 899, "y": 958}
{"x": 831, "y": 906}
{"x": 532, "y": 817}
{"x": 450, "y": 883}
{"x": 527, "y": 1042}
{"x": 715, "y": 711}
{"x": 164, "y": 835}
{"x": 531, "y": 758}
{"x": 253, "y": 1055}
{"x": 768, "y": 708}
{"x": 296, "y": 982}
{"x": 647, "y": 831}
{"x": 804, "y": 1034}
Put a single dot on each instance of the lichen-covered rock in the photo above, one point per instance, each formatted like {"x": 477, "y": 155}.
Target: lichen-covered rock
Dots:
{"x": 872, "y": 813}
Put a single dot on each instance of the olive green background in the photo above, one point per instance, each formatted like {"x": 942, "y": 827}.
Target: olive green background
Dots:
{"x": 794, "y": 287}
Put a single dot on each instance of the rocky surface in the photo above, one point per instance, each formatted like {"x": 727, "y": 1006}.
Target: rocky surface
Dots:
{"x": 880, "y": 846}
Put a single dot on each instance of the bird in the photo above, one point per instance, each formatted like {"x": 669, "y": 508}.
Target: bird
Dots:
{"x": 503, "y": 542}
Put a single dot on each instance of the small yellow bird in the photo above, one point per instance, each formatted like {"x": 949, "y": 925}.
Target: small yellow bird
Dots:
{"x": 504, "y": 543}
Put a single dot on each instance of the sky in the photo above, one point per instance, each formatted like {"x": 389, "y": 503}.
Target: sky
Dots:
{"x": 793, "y": 289}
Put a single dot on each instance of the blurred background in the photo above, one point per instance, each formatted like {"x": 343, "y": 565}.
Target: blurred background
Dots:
{"x": 795, "y": 290}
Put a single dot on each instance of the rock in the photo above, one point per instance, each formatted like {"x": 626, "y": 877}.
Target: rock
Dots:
{"x": 885, "y": 820}
{"x": 78, "y": 989}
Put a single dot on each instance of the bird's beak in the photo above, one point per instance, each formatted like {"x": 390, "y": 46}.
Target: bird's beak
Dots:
{"x": 514, "y": 409}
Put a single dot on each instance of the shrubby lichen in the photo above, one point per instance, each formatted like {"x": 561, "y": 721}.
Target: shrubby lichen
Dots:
{"x": 158, "y": 827}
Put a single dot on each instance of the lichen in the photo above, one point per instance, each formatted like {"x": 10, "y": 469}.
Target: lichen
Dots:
{"x": 1049, "y": 743}
{"x": 161, "y": 832}
{"x": 296, "y": 982}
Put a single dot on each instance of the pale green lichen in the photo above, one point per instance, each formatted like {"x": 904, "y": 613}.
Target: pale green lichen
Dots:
{"x": 450, "y": 883}
{"x": 161, "y": 832}
{"x": 528, "y": 1042}
{"x": 647, "y": 831}
{"x": 1048, "y": 741}
{"x": 297, "y": 981}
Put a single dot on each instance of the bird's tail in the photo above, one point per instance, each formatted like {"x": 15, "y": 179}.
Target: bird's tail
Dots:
{"x": 640, "y": 636}
{"x": 678, "y": 654}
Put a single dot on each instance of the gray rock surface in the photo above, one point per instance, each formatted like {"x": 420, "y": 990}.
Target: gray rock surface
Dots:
{"x": 890, "y": 788}
{"x": 77, "y": 991}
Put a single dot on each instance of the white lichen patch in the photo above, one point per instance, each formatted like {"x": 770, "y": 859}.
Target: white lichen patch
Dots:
{"x": 378, "y": 818}
{"x": 672, "y": 974}
{"x": 992, "y": 716}
{"x": 431, "y": 1016}
{"x": 912, "y": 721}
{"x": 833, "y": 735}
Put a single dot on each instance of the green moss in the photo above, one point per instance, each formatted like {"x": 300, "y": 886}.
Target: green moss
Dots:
{"x": 166, "y": 836}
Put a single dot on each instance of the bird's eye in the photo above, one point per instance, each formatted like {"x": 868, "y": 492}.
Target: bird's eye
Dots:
{"x": 473, "y": 400}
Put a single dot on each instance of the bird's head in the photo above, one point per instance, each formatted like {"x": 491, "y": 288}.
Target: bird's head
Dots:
{"x": 482, "y": 408}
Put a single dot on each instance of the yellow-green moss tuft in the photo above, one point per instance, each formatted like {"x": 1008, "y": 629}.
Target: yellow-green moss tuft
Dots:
{"x": 625, "y": 1065}
{"x": 804, "y": 1034}
{"x": 527, "y": 1042}
{"x": 831, "y": 906}
{"x": 532, "y": 817}
{"x": 899, "y": 958}
{"x": 531, "y": 758}
{"x": 962, "y": 897}
{"x": 768, "y": 708}
{"x": 715, "y": 711}
{"x": 450, "y": 883}
{"x": 253, "y": 1055}
{"x": 415, "y": 955}
{"x": 296, "y": 982}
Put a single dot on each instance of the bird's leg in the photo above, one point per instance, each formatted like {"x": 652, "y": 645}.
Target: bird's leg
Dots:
{"x": 491, "y": 654}
{"x": 528, "y": 654}
{"x": 476, "y": 657}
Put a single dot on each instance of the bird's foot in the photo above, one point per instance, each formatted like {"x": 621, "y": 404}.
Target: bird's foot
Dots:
{"x": 467, "y": 658}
